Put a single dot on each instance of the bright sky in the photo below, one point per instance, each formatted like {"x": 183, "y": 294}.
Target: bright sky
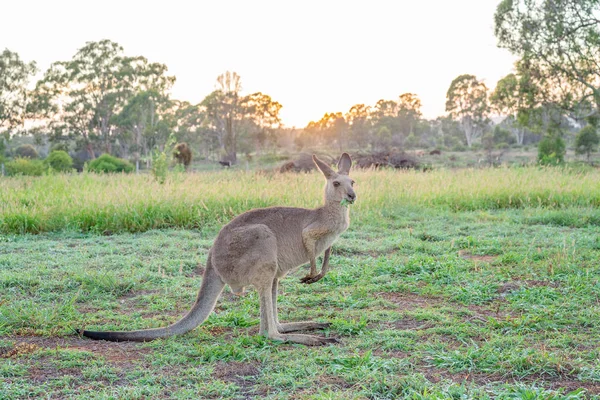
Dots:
{"x": 311, "y": 56}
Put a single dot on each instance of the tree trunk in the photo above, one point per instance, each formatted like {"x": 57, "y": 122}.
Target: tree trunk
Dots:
{"x": 468, "y": 127}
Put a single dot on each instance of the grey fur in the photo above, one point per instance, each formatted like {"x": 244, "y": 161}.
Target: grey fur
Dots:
{"x": 259, "y": 248}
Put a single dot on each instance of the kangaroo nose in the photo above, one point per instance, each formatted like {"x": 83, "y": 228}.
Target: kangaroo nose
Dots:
{"x": 352, "y": 195}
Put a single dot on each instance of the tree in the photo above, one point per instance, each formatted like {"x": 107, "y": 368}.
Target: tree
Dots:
{"x": 587, "y": 140}
{"x": 385, "y": 115}
{"x": 224, "y": 111}
{"x": 80, "y": 97}
{"x": 334, "y": 127}
{"x": 466, "y": 101}
{"x": 14, "y": 77}
{"x": 383, "y": 138}
{"x": 359, "y": 123}
{"x": 409, "y": 112}
{"x": 229, "y": 85}
{"x": 551, "y": 150}
{"x": 559, "y": 40}
{"x": 263, "y": 113}
{"x": 515, "y": 96}
{"x": 141, "y": 117}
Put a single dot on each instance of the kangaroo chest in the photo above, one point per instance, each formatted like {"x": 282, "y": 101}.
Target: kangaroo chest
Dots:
{"x": 328, "y": 238}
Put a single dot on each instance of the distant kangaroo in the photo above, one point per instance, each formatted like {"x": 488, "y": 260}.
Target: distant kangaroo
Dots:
{"x": 259, "y": 248}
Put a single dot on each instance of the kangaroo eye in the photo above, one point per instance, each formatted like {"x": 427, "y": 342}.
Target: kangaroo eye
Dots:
{"x": 352, "y": 183}
{"x": 336, "y": 184}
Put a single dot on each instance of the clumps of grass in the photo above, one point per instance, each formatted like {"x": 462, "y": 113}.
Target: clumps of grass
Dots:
{"x": 137, "y": 203}
{"x": 574, "y": 218}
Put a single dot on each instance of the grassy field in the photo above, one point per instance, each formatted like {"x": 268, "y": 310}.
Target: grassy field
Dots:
{"x": 448, "y": 284}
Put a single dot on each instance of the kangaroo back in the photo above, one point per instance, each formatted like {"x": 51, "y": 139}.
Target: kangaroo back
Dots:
{"x": 211, "y": 288}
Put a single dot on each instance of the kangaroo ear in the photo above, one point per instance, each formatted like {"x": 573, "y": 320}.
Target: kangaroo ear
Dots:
{"x": 344, "y": 164}
{"x": 325, "y": 169}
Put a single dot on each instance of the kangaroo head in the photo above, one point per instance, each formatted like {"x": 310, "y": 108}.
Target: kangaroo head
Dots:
{"x": 339, "y": 184}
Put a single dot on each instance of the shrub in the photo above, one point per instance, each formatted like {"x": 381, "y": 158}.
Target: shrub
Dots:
{"x": 502, "y": 135}
{"x": 587, "y": 141}
{"x": 25, "y": 166}
{"x": 412, "y": 141}
{"x": 160, "y": 166}
{"x": 107, "y": 164}
{"x": 26, "y": 151}
{"x": 59, "y": 161}
{"x": 551, "y": 150}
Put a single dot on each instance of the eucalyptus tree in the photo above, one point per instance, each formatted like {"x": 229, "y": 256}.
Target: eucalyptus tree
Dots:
{"x": 234, "y": 117}
{"x": 82, "y": 96}
{"x": 560, "y": 40}
{"x": 466, "y": 102}
{"x": 409, "y": 112}
{"x": 359, "y": 124}
{"x": 14, "y": 78}
{"x": 515, "y": 97}
{"x": 142, "y": 124}
{"x": 261, "y": 112}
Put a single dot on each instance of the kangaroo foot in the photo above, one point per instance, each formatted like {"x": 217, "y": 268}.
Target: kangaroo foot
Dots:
{"x": 307, "y": 340}
{"x": 302, "y": 326}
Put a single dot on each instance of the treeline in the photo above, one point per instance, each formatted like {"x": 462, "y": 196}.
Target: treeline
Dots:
{"x": 553, "y": 97}
{"x": 104, "y": 101}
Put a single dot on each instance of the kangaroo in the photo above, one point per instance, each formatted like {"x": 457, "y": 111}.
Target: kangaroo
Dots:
{"x": 259, "y": 248}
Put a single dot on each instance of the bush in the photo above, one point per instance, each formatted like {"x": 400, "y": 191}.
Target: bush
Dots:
{"x": 25, "y": 166}
{"x": 107, "y": 164}
{"x": 502, "y": 135}
{"x": 59, "y": 161}
{"x": 160, "y": 166}
{"x": 587, "y": 141}
{"x": 551, "y": 150}
{"x": 26, "y": 151}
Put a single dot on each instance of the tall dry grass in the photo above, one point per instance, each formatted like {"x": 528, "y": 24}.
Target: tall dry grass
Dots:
{"x": 89, "y": 202}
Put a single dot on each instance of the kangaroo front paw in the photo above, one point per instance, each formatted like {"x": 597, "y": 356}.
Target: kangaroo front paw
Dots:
{"x": 307, "y": 278}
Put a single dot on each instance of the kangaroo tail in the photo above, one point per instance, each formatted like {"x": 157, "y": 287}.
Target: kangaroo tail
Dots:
{"x": 211, "y": 288}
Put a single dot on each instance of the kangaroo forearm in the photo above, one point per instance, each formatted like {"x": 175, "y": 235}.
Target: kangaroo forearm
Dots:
{"x": 325, "y": 266}
{"x": 313, "y": 266}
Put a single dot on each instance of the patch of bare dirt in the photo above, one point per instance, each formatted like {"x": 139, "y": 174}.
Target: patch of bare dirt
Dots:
{"x": 517, "y": 285}
{"x": 561, "y": 381}
{"x": 537, "y": 283}
{"x": 197, "y": 272}
{"x": 116, "y": 352}
{"x": 44, "y": 373}
{"x": 334, "y": 381}
{"x": 477, "y": 258}
{"x": 471, "y": 312}
{"x": 242, "y": 374}
{"x": 404, "y": 324}
{"x": 410, "y": 301}
{"x": 136, "y": 293}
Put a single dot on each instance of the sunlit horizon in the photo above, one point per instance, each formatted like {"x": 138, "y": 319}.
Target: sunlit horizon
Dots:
{"x": 311, "y": 57}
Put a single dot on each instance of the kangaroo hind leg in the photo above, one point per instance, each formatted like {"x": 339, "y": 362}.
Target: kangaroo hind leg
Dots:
{"x": 292, "y": 326}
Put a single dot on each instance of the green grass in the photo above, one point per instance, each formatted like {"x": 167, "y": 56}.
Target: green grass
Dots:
{"x": 130, "y": 203}
{"x": 437, "y": 290}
